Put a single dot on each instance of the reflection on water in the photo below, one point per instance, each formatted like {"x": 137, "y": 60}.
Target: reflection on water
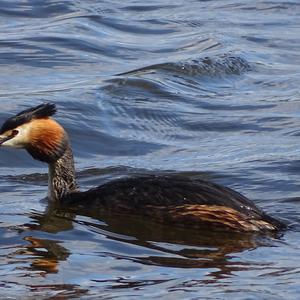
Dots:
{"x": 165, "y": 245}
{"x": 139, "y": 242}
{"x": 205, "y": 88}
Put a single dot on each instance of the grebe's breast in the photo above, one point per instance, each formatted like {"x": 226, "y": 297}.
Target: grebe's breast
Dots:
{"x": 177, "y": 199}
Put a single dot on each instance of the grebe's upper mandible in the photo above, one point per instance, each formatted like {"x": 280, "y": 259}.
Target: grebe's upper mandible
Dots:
{"x": 167, "y": 198}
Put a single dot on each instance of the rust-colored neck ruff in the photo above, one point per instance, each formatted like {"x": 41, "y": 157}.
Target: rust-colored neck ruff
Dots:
{"x": 47, "y": 140}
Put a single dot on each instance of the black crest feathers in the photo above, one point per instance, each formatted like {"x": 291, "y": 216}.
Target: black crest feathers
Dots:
{"x": 38, "y": 112}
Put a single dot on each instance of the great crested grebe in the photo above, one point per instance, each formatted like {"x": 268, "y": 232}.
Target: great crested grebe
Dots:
{"x": 168, "y": 198}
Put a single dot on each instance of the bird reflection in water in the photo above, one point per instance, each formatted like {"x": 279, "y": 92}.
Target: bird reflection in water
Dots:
{"x": 180, "y": 247}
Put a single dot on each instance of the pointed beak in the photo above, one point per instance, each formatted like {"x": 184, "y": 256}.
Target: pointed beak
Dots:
{"x": 4, "y": 138}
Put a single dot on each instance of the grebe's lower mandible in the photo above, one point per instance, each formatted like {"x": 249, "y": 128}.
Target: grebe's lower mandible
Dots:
{"x": 167, "y": 198}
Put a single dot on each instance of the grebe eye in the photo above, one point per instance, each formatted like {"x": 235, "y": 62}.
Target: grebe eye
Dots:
{"x": 14, "y": 132}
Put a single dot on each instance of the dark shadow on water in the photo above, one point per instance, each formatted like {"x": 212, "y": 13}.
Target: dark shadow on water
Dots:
{"x": 206, "y": 66}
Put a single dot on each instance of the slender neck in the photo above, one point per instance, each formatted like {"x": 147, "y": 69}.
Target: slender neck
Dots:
{"x": 62, "y": 179}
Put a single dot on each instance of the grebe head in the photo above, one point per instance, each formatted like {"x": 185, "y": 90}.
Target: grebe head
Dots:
{"x": 34, "y": 130}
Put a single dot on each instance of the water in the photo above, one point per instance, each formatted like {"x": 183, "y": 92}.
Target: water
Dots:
{"x": 210, "y": 88}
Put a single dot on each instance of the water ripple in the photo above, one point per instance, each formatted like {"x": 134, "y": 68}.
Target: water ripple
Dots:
{"x": 204, "y": 88}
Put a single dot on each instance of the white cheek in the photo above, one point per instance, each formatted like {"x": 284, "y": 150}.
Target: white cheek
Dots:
{"x": 20, "y": 140}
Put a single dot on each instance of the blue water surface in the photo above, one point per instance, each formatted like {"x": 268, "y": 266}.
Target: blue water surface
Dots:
{"x": 205, "y": 88}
